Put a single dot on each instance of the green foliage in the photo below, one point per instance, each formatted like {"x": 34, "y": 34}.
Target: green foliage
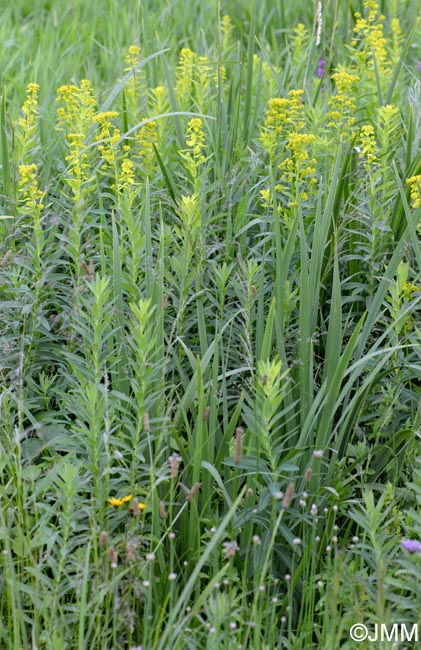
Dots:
{"x": 210, "y": 345}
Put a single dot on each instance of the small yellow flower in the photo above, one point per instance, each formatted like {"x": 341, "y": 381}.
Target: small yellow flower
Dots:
{"x": 408, "y": 289}
{"x": 115, "y": 502}
{"x": 141, "y": 506}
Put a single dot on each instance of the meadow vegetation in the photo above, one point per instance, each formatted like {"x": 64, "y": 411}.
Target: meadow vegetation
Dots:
{"x": 210, "y": 354}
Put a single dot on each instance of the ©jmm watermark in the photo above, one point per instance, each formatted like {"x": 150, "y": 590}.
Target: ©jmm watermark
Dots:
{"x": 382, "y": 632}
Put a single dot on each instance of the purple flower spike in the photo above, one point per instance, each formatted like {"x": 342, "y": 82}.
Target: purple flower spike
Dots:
{"x": 419, "y": 66}
{"x": 321, "y": 68}
{"x": 411, "y": 545}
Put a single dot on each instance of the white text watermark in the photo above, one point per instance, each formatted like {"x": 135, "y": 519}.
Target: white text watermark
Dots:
{"x": 382, "y": 632}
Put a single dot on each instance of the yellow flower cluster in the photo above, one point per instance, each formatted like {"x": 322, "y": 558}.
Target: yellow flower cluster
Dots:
{"x": 78, "y": 166}
{"x": 107, "y": 137}
{"x": 75, "y": 113}
{"x": 133, "y": 85}
{"x": 126, "y": 178}
{"x": 193, "y": 155}
{"x": 132, "y": 57}
{"x": 408, "y": 289}
{"x": 298, "y": 144}
{"x": 285, "y": 114}
{"x": 116, "y": 503}
{"x": 195, "y": 140}
{"x": 146, "y": 137}
{"x": 194, "y": 76}
{"x": 368, "y": 145}
{"x": 342, "y": 104}
{"x": 285, "y": 120}
{"x": 68, "y": 105}
{"x": 29, "y": 191}
{"x": 415, "y": 184}
{"x": 388, "y": 114}
{"x": 26, "y": 125}
{"x": 75, "y": 107}
{"x": 266, "y": 197}
{"x": 299, "y": 165}
{"x": 29, "y": 108}
{"x": 370, "y": 39}
{"x": 184, "y": 76}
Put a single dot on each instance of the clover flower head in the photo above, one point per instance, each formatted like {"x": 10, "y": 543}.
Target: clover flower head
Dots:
{"x": 230, "y": 549}
{"x": 321, "y": 67}
{"x": 411, "y": 545}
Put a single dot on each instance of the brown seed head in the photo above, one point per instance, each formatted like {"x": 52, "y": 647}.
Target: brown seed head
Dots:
{"x": 131, "y": 551}
{"x": 288, "y": 495}
{"x": 195, "y": 489}
{"x": 162, "y": 510}
{"x": 112, "y": 557}
{"x": 238, "y": 444}
{"x": 5, "y": 258}
{"x": 133, "y": 508}
{"x": 174, "y": 461}
{"x": 308, "y": 473}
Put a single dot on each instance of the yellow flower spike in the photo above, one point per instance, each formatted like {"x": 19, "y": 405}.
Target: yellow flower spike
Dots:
{"x": 185, "y": 76}
{"x": 342, "y": 104}
{"x": 107, "y": 137}
{"x": 414, "y": 183}
{"x": 195, "y": 144}
{"x": 370, "y": 43}
{"x": 146, "y": 137}
{"x": 27, "y": 121}
{"x": 284, "y": 115}
{"x": 132, "y": 57}
{"x": 368, "y": 145}
{"x": 126, "y": 176}
{"x": 29, "y": 191}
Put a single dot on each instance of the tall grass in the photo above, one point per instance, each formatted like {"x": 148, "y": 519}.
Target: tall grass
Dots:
{"x": 210, "y": 351}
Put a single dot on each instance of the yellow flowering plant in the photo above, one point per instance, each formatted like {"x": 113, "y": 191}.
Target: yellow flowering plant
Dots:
{"x": 26, "y": 127}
